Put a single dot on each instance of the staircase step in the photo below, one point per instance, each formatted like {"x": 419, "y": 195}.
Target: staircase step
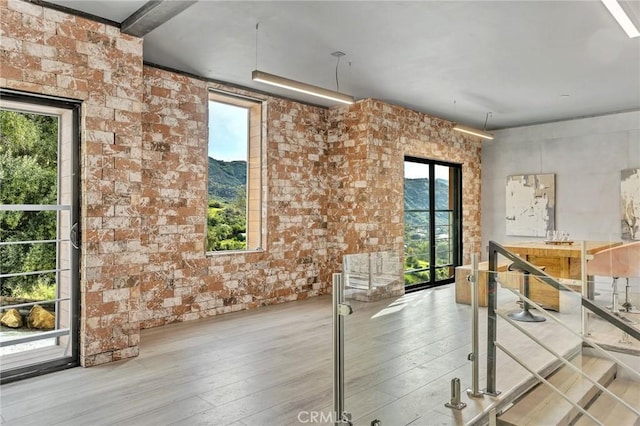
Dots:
{"x": 543, "y": 406}
{"x": 610, "y": 412}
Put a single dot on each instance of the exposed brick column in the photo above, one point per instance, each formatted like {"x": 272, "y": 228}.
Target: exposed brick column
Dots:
{"x": 367, "y": 143}
{"x": 49, "y": 52}
{"x": 174, "y": 195}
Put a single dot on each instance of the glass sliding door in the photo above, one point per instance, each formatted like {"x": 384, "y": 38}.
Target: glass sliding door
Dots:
{"x": 39, "y": 236}
{"x": 432, "y": 222}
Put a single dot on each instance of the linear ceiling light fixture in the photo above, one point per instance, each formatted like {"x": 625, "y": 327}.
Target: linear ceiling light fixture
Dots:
{"x": 276, "y": 80}
{"x": 472, "y": 131}
{"x": 475, "y": 132}
{"x": 622, "y": 18}
{"x": 298, "y": 86}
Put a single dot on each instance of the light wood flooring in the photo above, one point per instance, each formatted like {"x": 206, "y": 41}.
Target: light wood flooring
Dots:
{"x": 273, "y": 366}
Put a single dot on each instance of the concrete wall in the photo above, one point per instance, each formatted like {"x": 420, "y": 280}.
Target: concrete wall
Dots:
{"x": 586, "y": 156}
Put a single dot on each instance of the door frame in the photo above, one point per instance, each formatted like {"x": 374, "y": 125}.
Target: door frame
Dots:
{"x": 32, "y": 101}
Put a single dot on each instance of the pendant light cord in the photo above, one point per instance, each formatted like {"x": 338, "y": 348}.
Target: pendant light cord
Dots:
{"x": 257, "y": 24}
{"x": 337, "y": 82}
{"x": 485, "y": 121}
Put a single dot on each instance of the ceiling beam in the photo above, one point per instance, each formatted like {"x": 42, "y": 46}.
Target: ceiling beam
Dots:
{"x": 151, "y": 15}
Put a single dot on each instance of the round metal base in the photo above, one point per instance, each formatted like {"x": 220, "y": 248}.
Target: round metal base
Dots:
{"x": 622, "y": 310}
{"x": 526, "y": 316}
{"x": 628, "y": 308}
{"x": 473, "y": 394}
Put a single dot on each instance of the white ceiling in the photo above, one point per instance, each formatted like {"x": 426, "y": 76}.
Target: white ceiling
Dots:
{"x": 524, "y": 61}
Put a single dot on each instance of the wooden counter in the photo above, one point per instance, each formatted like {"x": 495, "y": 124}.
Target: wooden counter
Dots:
{"x": 463, "y": 286}
{"x": 560, "y": 261}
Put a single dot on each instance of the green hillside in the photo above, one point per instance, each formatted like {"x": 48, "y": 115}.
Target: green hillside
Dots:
{"x": 226, "y": 178}
{"x": 416, "y": 194}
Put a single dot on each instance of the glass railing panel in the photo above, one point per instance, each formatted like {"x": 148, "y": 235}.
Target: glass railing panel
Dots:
{"x": 367, "y": 330}
{"x": 620, "y": 300}
{"x": 372, "y": 276}
{"x": 401, "y": 353}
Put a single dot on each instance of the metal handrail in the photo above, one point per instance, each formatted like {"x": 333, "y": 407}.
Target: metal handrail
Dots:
{"x": 566, "y": 362}
{"x": 547, "y": 279}
{"x": 40, "y": 336}
{"x": 10, "y": 243}
{"x": 40, "y": 302}
{"x": 448, "y": 265}
{"x": 427, "y": 210}
{"x": 585, "y": 339}
{"x": 34, "y": 207}
{"x": 24, "y": 274}
{"x": 542, "y": 379}
{"x": 494, "y": 250}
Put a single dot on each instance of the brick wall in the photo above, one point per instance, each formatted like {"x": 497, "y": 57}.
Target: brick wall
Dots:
{"x": 181, "y": 282}
{"x": 367, "y": 144}
{"x": 174, "y": 194}
{"x": 333, "y": 182}
{"x": 424, "y": 136}
{"x": 48, "y": 52}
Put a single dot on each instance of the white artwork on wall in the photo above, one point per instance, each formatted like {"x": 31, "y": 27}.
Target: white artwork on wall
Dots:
{"x": 630, "y": 203}
{"x": 530, "y": 205}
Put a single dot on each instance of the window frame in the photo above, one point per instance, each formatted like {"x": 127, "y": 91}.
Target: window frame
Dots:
{"x": 455, "y": 204}
{"x": 68, "y": 181}
{"x": 256, "y": 179}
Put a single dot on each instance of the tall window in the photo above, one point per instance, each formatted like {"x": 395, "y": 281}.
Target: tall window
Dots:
{"x": 432, "y": 222}
{"x": 235, "y": 169}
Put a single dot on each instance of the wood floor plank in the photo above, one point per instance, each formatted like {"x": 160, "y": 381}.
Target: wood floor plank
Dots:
{"x": 169, "y": 413}
{"x": 263, "y": 367}
{"x": 611, "y": 412}
{"x": 160, "y": 413}
{"x": 543, "y": 406}
{"x": 294, "y": 411}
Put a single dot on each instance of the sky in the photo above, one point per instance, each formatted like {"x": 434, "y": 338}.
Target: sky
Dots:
{"x": 228, "y": 136}
{"x": 418, "y": 170}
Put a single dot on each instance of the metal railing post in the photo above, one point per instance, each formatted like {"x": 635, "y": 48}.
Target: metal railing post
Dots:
{"x": 338, "y": 349}
{"x": 474, "y": 356}
{"x": 455, "y": 402}
{"x": 492, "y": 321}
{"x": 585, "y": 287}
{"x": 340, "y": 309}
